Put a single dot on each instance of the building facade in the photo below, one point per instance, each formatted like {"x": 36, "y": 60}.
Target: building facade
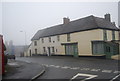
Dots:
{"x": 83, "y": 37}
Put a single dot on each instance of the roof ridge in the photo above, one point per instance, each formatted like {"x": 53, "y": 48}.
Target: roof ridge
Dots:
{"x": 82, "y": 18}
{"x": 81, "y": 24}
{"x": 94, "y": 20}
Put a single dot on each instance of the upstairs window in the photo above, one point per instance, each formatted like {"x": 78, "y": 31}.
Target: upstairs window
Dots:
{"x": 105, "y": 35}
{"x": 58, "y": 38}
{"x": 49, "y": 39}
{"x": 35, "y": 43}
{"x": 113, "y": 35}
{"x": 68, "y": 37}
{"x": 42, "y": 40}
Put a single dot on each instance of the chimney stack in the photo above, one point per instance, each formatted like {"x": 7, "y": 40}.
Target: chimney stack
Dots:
{"x": 114, "y": 23}
{"x": 107, "y": 17}
{"x": 66, "y": 20}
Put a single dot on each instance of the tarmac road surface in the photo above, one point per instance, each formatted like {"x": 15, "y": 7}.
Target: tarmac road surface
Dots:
{"x": 60, "y": 67}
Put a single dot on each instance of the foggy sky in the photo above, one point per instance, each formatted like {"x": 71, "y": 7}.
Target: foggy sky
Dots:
{"x": 30, "y": 17}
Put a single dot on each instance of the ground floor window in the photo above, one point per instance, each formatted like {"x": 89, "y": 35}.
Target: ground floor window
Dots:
{"x": 53, "y": 50}
{"x": 107, "y": 48}
{"x": 71, "y": 49}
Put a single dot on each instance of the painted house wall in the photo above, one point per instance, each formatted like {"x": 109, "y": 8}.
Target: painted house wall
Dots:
{"x": 109, "y": 35}
{"x": 83, "y": 39}
{"x": 54, "y": 43}
{"x": 35, "y": 47}
{"x": 116, "y": 35}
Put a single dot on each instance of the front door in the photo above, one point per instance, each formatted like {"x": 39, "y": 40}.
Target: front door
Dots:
{"x": 108, "y": 50}
{"x": 71, "y": 49}
{"x": 49, "y": 51}
{"x": 75, "y": 50}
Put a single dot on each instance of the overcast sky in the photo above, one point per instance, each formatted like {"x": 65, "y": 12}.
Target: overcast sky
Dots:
{"x": 30, "y": 17}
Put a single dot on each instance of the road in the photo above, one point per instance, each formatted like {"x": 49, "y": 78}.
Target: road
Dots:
{"x": 62, "y": 67}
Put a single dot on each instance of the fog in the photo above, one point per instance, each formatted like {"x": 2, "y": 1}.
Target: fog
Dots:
{"x": 30, "y": 17}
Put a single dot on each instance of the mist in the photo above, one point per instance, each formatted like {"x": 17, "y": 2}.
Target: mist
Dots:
{"x": 29, "y": 17}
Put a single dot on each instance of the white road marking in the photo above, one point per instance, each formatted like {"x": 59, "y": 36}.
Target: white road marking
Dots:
{"x": 116, "y": 72}
{"x": 75, "y": 68}
{"x": 85, "y": 69}
{"x": 57, "y": 66}
{"x": 45, "y": 65}
{"x": 65, "y": 67}
{"x": 115, "y": 77}
{"x": 95, "y": 70}
{"x": 86, "y": 75}
{"x": 52, "y": 65}
{"x": 82, "y": 69}
{"x": 107, "y": 71}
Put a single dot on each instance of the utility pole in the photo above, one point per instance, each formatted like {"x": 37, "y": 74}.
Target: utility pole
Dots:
{"x": 25, "y": 40}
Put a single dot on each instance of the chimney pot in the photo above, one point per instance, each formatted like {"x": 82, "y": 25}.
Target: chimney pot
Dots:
{"x": 114, "y": 23}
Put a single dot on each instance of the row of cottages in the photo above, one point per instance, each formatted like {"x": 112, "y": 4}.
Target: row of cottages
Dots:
{"x": 86, "y": 36}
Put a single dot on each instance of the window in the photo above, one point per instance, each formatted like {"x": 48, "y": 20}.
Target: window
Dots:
{"x": 44, "y": 49}
{"x": 68, "y": 37}
{"x": 53, "y": 49}
{"x": 58, "y": 38}
{"x": 42, "y": 40}
{"x": 105, "y": 35}
{"x": 35, "y": 51}
{"x": 35, "y": 43}
{"x": 113, "y": 35}
{"x": 49, "y": 39}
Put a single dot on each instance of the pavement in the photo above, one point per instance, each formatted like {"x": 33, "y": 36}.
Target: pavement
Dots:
{"x": 22, "y": 70}
{"x": 116, "y": 57}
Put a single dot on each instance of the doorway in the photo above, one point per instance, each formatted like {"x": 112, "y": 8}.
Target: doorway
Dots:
{"x": 49, "y": 52}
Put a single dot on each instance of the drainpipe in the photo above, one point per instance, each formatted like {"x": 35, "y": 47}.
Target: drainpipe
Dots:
{"x": 119, "y": 39}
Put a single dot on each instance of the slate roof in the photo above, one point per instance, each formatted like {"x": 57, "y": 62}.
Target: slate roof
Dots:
{"x": 83, "y": 24}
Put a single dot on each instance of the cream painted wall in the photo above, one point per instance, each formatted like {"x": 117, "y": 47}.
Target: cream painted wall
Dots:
{"x": 116, "y": 35}
{"x": 109, "y": 35}
{"x": 83, "y": 38}
{"x": 33, "y": 47}
{"x": 54, "y": 43}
